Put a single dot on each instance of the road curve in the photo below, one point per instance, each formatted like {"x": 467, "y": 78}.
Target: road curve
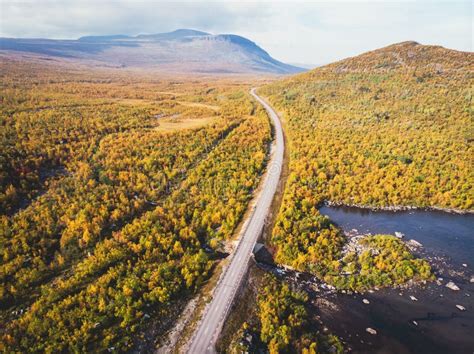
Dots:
{"x": 205, "y": 336}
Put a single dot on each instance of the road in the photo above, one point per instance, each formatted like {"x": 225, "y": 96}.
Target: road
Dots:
{"x": 205, "y": 336}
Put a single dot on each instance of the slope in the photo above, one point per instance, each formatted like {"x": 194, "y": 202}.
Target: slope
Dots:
{"x": 388, "y": 129}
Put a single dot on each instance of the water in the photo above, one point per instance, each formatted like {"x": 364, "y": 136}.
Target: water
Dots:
{"x": 432, "y": 324}
{"x": 439, "y": 232}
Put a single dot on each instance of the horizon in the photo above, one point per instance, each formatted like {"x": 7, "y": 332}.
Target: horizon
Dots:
{"x": 309, "y": 34}
{"x": 307, "y": 66}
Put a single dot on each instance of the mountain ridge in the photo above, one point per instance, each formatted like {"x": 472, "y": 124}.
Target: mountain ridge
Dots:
{"x": 182, "y": 50}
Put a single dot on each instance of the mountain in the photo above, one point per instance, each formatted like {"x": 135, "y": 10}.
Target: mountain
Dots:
{"x": 183, "y": 50}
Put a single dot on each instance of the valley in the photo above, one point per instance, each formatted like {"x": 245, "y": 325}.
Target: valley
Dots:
{"x": 135, "y": 186}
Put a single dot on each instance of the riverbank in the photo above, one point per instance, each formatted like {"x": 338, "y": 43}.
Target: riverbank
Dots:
{"x": 417, "y": 317}
{"x": 397, "y": 208}
{"x": 412, "y": 318}
{"x": 440, "y": 233}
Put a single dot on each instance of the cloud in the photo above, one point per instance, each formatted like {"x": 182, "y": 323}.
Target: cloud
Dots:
{"x": 71, "y": 19}
{"x": 321, "y": 32}
{"x": 294, "y": 31}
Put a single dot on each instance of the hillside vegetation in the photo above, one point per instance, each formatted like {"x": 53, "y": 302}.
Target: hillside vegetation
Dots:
{"x": 107, "y": 220}
{"x": 281, "y": 321}
{"x": 389, "y": 128}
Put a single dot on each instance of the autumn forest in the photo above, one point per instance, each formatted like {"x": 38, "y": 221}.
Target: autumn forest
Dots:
{"x": 121, "y": 192}
{"x": 112, "y": 205}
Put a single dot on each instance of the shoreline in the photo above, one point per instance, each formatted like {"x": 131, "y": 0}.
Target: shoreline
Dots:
{"x": 397, "y": 208}
{"x": 423, "y": 312}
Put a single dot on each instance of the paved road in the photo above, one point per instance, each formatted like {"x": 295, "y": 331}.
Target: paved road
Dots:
{"x": 204, "y": 339}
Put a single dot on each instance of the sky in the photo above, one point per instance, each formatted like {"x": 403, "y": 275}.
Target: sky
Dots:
{"x": 301, "y": 32}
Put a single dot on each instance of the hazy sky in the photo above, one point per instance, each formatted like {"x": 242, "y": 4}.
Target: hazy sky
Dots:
{"x": 313, "y": 32}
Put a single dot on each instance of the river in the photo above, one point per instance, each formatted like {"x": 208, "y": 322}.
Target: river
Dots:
{"x": 432, "y": 323}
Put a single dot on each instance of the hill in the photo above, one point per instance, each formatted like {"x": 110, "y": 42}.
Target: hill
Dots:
{"x": 406, "y": 55}
{"x": 388, "y": 129}
{"x": 183, "y": 50}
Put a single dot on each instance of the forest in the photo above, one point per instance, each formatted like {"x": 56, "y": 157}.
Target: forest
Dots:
{"x": 118, "y": 190}
{"x": 108, "y": 219}
{"x": 386, "y": 129}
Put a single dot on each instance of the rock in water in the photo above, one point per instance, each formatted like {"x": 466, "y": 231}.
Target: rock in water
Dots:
{"x": 413, "y": 298}
{"x": 461, "y": 308}
{"x": 472, "y": 279}
{"x": 365, "y": 301}
{"x": 452, "y": 286}
{"x": 399, "y": 234}
{"x": 371, "y": 330}
{"x": 415, "y": 243}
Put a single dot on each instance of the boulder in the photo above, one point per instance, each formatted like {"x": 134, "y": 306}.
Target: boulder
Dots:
{"x": 414, "y": 243}
{"x": 365, "y": 301}
{"x": 399, "y": 234}
{"x": 371, "y": 331}
{"x": 413, "y": 298}
{"x": 461, "y": 308}
{"x": 452, "y": 286}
